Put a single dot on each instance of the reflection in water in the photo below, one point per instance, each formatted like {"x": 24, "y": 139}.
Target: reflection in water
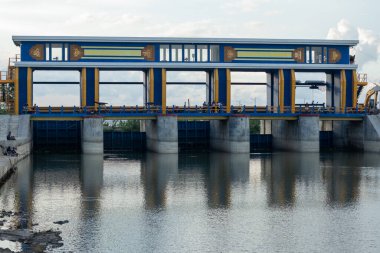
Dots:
{"x": 156, "y": 172}
{"x": 91, "y": 180}
{"x": 213, "y": 202}
{"x": 281, "y": 172}
{"x": 91, "y": 177}
{"x": 24, "y": 194}
{"x": 342, "y": 175}
{"x": 225, "y": 169}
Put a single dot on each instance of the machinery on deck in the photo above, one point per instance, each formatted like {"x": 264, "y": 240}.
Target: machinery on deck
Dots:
{"x": 7, "y": 90}
{"x": 369, "y": 102}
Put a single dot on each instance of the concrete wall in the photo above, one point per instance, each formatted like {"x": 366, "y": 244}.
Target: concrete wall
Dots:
{"x": 162, "y": 135}
{"x": 20, "y": 127}
{"x": 92, "y": 136}
{"x": 348, "y": 135}
{"x": 301, "y": 135}
{"x": 372, "y": 133}
{"x": 230, "y": 135}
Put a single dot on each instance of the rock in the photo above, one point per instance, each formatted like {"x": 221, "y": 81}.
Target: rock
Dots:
{"x": 6, "y": 250}
{"x": 61, "y": 222}
{"x": 15, "y": 235}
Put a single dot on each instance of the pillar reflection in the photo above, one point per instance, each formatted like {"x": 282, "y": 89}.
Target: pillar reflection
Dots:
{"x": 281, "y": 172}
{"x": 342, "y": 176}
{"x": 91, "y": 178}
{"x": 24, "y": 194}
{"x": 155, "y": 175}
{"x": 225, "y": 170}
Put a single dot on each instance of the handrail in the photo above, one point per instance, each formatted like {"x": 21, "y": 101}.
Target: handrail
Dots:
{"x": 153, "y": 109}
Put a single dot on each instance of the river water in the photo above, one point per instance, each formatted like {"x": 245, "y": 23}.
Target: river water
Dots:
{"x": 280, "y": 202}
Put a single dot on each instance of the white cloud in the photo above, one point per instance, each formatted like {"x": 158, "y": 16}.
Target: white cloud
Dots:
{"x": 243, "y": 5}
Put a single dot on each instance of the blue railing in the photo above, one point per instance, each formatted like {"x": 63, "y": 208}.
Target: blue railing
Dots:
{"x": 153, "y": 110}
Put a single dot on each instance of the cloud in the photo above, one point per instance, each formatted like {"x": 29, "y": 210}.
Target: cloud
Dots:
{"x": 367, "y": 51}
{"x": 243, "y": 5}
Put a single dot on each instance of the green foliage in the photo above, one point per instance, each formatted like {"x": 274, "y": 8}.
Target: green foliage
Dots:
{"x": 254, "y": 126}
{"x": 122, "y": 125}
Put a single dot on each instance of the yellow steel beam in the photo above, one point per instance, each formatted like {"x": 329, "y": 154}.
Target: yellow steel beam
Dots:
{"x": 343, "y": 91}
{"x": 182, "y": 118}
{"x": 83, "y": 87}
{"x": 340, "y": 119}
{"x": 151, "y": 86}
{"x": 130, "y": 118}
{"x": 354, "y": 88}
{"x": 228, "y": 86}
{"x": 293, "y": 87}
{"x": 281, "y": 90}
{"x": 163, "y": 91}
{"x": 6, "y": 81}
{"x": 16, "y": 99}
{"x": 56, "y": 118}
{"x": 216, "y": 85}
{"x": 96, "y": 95}
{"x": 30, "y": 87}
{"x": 274, "y": 117}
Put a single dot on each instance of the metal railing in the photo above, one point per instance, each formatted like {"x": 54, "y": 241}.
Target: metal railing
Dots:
{"x": 198, "y": 110}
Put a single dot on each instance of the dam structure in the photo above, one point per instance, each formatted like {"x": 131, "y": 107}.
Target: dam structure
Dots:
{"x": 293, "y": 127}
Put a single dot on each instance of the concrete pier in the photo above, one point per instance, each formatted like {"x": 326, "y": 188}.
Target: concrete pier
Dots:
{"x": 300, "y": 135}
{"x": 162, "y": 135}
{"x": 230, "y": 135}
{"x": 19, "y": 126}
{"x": 92, "y": 136}
{"x": 348, "y": 135}
{"x": 372, "y": 133}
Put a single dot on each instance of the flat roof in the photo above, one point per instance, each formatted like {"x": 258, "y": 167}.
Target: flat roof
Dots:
{"x": 183, "y": 40}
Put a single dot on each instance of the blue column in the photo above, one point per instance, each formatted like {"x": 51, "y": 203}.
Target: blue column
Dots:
{"x": 158, "y": 87}
{"x": 349, "y": 88}
{"x": 23, "y": 83}
{"x": 223, "y": 86}
{"x": 287, "y": 88}
{"x": 90, "y": 86}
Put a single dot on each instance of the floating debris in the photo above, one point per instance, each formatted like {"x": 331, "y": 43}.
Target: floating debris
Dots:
{"x": 61, "y": 222}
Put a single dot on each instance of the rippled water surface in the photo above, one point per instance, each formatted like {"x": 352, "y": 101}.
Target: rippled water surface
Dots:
{"x": 282, "y": 202}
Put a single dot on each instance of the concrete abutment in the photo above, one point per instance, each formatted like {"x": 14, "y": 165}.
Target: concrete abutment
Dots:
{"x": 92, "y": 136}
{"x": 162, "y": 135}
{"x": 300, "y": 135}
{"x": 231, "y": 135}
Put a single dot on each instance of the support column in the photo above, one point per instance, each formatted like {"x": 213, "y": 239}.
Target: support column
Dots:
{"x": 30, "y": 87}
{"x": 230, "y": 135}
{"x": 372, "y": 133}
{"x": 92, "y": 136}
{"x": 162, "y": 135}
{"x": 333, "y": 91}
{"x": 348, "y": 135}
{"x": 21, "y": 89}
{"x": 83, "y": 84}
{"x": 301, "y": 135}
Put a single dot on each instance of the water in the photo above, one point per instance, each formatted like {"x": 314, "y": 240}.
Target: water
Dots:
{"x": 282, "y": 202}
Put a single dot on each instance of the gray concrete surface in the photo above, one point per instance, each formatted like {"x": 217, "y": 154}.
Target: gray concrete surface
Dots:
{"x": 348, "y": 135}
{"x": 92, "y": 136}
{"x": 372, "y": 133}
{"x": 230, "y": 135}
{"x": 162, "y": 135}
{"x": 300, "y": 135}
{"x": 20, "y": 128}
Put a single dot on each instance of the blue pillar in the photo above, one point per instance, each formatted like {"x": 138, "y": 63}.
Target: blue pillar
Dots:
{"x": 157, "y": 87}
{"x": 90, "y": 86}
{"x": 223, "y": 86}
{"x": 23, "y": 83}
{"x": 349, "y": 88}
{"x": 287, "y": 88}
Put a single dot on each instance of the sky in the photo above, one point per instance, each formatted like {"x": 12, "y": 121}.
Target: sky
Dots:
{"x": 302, "y": 19}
